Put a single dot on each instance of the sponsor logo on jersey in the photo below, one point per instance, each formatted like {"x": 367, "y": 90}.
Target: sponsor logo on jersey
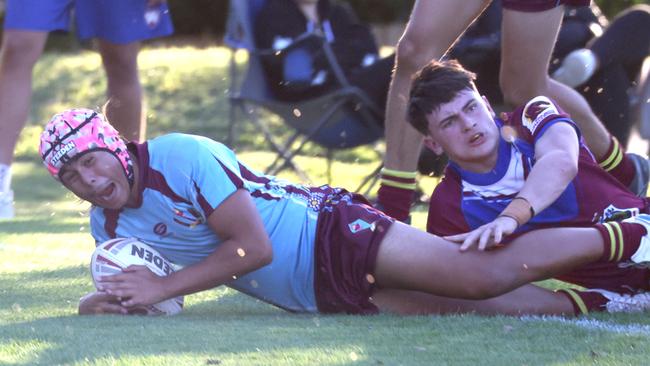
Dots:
{"x": 359, "y": 225}
{"x": 160, "y": 229}
{"x": 536, "y": 111}
{"x": 190, "y": 218}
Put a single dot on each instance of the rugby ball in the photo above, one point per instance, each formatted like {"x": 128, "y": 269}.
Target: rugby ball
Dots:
{"x": 111, "y": 256}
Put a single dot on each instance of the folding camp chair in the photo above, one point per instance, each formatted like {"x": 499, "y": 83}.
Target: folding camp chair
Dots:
{"x": 343, "y": 118}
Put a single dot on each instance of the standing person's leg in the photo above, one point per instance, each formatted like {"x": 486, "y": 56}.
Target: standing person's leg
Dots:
{"x": 431, "y": 30}
{"x": 528, "y": 40}
{"x": 120, "y": 26}
{"x": 20, "y": 51}
{"x": 124, "y": 108}
{"x": 524, "y": 75}
{"x": 607, "y": 92}
{"x": 626, "y": 40}
{"x": 612, "y": 59}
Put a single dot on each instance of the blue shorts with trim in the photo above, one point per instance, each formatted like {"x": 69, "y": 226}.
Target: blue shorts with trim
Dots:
{"x": 116, "y": 21}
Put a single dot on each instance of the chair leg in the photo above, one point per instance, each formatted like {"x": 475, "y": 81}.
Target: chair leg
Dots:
{"x": 234, "y": 103}
{"x": 281, "y": 152}
{"x": 288, "y": 159}
{"x": 232, "y": 118}
{"x": 369, "y": 181}
{"x": 283, "y": 156}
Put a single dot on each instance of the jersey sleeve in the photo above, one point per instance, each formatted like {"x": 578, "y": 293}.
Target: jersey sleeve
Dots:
{"x": 445, "y": 215}
{"x": 97, "y": 223}
{"x": 536, "y": 116}
{"x": 214, "y": 175}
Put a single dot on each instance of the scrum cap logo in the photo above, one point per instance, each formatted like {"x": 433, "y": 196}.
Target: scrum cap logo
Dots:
{"x": 536, "y": 111}
{"x": 62, "y": 152}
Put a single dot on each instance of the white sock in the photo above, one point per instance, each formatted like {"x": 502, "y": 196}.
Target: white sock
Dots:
{"x": 5, "y": 178}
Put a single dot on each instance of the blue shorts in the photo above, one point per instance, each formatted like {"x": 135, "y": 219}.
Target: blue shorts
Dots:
{"x": 116, "y": 21}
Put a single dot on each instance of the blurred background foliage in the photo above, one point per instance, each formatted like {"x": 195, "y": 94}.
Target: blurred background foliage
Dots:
{"x": 198, "y": 17}
{"x": 207, "y": 18}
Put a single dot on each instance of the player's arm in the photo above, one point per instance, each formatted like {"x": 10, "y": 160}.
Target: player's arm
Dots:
{"x": 245, "y": 248}
{"x": 556, "y": 153}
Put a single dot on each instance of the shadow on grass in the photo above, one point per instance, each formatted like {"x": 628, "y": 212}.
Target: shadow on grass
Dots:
{"x": 238, "y": 330}
{"x": 39, "y": 225}
{"x": 35, "y": 186}
{"x": 38, "y": 289}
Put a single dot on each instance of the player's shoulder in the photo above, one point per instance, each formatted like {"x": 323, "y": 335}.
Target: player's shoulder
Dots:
{"x": 448, "y": 187}
{"x": 185, "y": 145}
{"x": 538, "y": 110}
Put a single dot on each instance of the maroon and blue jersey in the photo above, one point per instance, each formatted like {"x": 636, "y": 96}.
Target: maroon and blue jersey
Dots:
{"x": 464, "y": 200}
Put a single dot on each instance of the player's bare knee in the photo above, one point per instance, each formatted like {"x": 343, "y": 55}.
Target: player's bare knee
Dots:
{"x": 487, "y": 283}
{"x": 519, "y": 90}
{"x": 514, "y": 94}
{"x": 16, "y": 52}
{"x": 410, "y": 56}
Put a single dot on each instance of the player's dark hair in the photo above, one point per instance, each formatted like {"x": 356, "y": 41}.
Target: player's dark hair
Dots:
{"x": 435, "y": 84}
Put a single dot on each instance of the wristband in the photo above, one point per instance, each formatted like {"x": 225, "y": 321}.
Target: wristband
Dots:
{"x": 519, "y": 210}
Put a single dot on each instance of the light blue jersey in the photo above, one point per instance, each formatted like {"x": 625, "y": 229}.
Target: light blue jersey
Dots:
{"x": 183, "y": 178}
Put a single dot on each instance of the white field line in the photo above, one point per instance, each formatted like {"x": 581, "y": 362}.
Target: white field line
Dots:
{"x": 593, "y": 324}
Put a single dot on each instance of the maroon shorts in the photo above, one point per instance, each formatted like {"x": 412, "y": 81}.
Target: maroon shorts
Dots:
{"x": 348, "y": 235}
{"x": 540, "y": 5}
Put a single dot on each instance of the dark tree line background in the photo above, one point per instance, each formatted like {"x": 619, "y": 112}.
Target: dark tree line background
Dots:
{"x": 207, "y": 18}
{"x": 200, "y": 17}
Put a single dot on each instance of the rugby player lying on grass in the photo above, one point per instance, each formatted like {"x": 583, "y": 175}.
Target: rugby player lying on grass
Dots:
{"x": 525, "y": 171}
{"x": 303, "y": 249}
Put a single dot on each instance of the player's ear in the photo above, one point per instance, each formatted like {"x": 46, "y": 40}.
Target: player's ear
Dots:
{"x": 433, "y": 145}
{"x": 488, "y": 105}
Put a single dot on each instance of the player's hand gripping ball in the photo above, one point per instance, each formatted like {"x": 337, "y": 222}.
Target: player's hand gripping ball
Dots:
{"x": 111, "y": 256}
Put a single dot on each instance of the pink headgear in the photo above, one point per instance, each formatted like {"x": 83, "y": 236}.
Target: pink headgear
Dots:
{"x": 77, "y": 131}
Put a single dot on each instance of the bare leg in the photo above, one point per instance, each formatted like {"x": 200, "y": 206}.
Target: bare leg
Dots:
{"x": 20, "y": 51}
{"x": 124, "y": 108}
{"x": 414, "y": 260}
{"x": 528, "y": 40}
{"x": 433, "y": 27}
{"x": 528, "y": 299}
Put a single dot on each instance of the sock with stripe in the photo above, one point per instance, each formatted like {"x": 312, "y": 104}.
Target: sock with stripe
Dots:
{"x": 585, "y": 301}
{"x": 396, "y": 193}
{"x": 621, "y": 239}
{"x": 617, "y": 163}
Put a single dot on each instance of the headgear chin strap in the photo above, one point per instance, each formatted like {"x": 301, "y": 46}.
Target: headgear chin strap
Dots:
{"x": 77, "y": 131}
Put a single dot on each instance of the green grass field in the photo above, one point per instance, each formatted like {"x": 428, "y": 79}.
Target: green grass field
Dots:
{"x": 44, "y": 257}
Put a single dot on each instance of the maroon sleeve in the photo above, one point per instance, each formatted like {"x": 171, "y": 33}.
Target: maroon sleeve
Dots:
{"x": 445, "y": 214}
{"x": 529, "y": 121}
